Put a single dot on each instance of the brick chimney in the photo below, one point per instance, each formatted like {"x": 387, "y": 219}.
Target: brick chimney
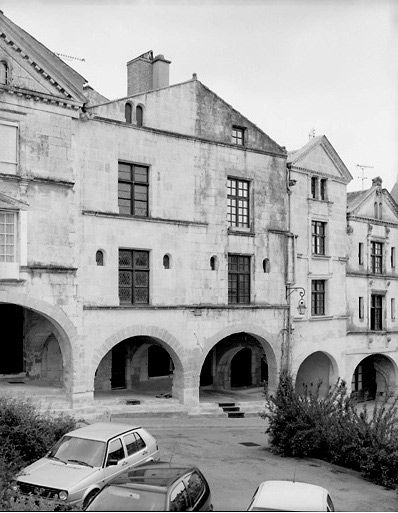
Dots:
{"x": 377, "y": 182}
{"x": 146, "y": 73}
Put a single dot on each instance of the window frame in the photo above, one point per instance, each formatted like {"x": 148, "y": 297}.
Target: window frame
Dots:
{"x": 323, "y": 189}
{"x": 318, "y": 237}
{"x": 134, "y": 184}
{"x": 239, "y": 279}
{"x": 11, "y": 164}
{"x": 360, "y": 253}
{"x": 5, "y": 233}
{"x": 318, "y": 298}
{"x": 238, "y": 204}
{"x": 134, "y": 270}
{"x": 376, "y": 257}
{"x": 4, "y": 64}
{"x": 238, "y": 135}
{"x": 376, "y": 312}
{"x": 392, "y": 257}
{"x": 361, "y": 308}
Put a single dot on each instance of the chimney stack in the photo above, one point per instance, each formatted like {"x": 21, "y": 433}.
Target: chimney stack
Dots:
{"x": 146, "y": 73}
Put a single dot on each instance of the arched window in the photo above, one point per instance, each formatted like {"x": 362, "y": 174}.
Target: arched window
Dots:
{"x": 213, "y": 263}
{"x": 266, "y": 265}
{"x": 139, "y": 115}
{"x": 99, "y": 257}
{"x": 166, "y": 262}
{"x": 128, "y": 112}
{"x": 3, "y": 73}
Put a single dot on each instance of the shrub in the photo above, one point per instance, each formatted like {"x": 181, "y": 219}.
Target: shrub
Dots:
{"x": 26, "y": 435}
{"x": 333, "y": 429}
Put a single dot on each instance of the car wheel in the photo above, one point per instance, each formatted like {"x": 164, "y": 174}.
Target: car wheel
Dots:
{"x": 89, "y": 498}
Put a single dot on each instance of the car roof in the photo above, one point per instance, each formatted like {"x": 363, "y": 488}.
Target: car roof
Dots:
{"x": 102, "y": 431}
{"x": 157, "y": 474}
{"x": 290, "y": 496}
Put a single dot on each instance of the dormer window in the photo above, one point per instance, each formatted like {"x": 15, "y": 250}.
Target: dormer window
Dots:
{"x": 238, "y": 135}
{"x": 3, "y": 73}
{"x": 139, "y": 115}
{"x": 318, "y": 188}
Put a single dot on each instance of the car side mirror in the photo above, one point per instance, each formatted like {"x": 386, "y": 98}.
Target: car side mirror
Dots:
{"x": 112, "y": 462}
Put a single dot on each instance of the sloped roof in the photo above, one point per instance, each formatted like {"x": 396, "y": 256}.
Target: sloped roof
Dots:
{"x": 43, "y": 58}
{"x": 356, "y": 199}
{"x": 394, "y": 192}
{"x": 296, "y": 156}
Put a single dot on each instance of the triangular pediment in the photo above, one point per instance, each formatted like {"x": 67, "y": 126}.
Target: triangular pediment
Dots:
{"x": 318, "y": 156}
{"x": 34, "y": 68}
{"x": 9, "y": 203}
{"x": 377, "y": 204}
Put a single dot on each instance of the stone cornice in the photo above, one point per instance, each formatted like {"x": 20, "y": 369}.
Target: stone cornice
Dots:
{"x": 113, "y": 215}
{"x": 40, "y": 97}
{"x": 37, "y": 179}
{"x": 185, "y": 307}
{"x": 372, "y": 220}
{"x": 304, "y": 170}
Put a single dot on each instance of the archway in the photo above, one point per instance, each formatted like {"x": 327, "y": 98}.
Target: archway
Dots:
{"x": 37, "y": 342}
{"x": 236, "y": 361}
{"x": 317, "y": 370}
{"x": 141, "y": 364}
{"x": 373, "y": 377}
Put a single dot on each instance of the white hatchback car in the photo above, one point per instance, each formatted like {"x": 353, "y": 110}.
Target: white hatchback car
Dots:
{"x": 290, "y": 496}
{"x": 83, "y": 461}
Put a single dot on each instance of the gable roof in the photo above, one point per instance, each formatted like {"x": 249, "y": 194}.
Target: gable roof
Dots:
{"x": 320, "y": 145}
{"x": 360, "y": 203}
{"x": 65, "y": 79}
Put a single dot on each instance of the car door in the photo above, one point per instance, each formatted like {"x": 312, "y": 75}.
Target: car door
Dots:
{"x": 136, "y": 449}
{"x": 116, "y": 461}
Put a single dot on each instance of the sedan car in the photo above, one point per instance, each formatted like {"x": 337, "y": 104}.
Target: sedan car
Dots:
{"x": 84, "y": 460}
{"x": 157, "y": 486}
{"x": 290, "y": 496}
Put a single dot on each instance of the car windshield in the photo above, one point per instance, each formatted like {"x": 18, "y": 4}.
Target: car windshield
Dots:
{"x": 79, "y": 450}
{"x": 115, "y": 498}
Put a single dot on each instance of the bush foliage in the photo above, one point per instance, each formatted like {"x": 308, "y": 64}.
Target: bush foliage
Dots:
{"x": 335, "y": 429}
{"x": 26, "y": 435}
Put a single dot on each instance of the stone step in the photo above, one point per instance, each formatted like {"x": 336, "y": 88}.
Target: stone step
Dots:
{"x": 236, "y": 414}
{"x": 222, "y": 405}
{"x": 229, "y": 409}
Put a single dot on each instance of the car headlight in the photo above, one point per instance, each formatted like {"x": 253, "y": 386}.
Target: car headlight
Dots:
{"x": 63, "y": 496}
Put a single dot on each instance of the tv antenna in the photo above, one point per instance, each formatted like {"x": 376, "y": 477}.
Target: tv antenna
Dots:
{"x": 362, "y": 168}
{"x": 70, "y": 57}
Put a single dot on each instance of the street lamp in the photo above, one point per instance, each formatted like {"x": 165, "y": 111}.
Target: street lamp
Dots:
{"x": 301, "y": 307}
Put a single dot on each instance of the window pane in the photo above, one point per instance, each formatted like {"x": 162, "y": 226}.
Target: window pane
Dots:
{"x": 141, "y": 296}
{"x": 141, "y": 259}
{"x": 124, "y": 171}
{"x": 125, "y": 258}
{"x": 8, "y": 146}
{"x": 140, "y": 174}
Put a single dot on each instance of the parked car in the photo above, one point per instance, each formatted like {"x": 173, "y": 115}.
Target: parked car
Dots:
{"x": 157, "y": 486}
{"x": 290, "y": 496}
{"x": 84, "y": 460}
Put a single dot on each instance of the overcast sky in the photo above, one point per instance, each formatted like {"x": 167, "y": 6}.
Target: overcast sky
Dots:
{"x": 289, "y": 66}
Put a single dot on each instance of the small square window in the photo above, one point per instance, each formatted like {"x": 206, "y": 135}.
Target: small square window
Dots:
{"x": 238, "y": 135}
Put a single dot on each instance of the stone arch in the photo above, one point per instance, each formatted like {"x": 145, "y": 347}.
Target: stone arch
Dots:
{"x": 385, "y": 373}
{"x": 317, "y": 367}
{"x": 64, "y": 329}
{"x": 164, "y": 338}
{"x": 267, "y": 340}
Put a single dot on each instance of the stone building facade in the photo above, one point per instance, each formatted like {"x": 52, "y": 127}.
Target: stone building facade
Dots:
{"x": 164, "y": 240}
{"x": 147, "y": 237}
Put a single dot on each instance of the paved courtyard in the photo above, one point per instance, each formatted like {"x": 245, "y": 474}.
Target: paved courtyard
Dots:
{"x": 234, "y": 456}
